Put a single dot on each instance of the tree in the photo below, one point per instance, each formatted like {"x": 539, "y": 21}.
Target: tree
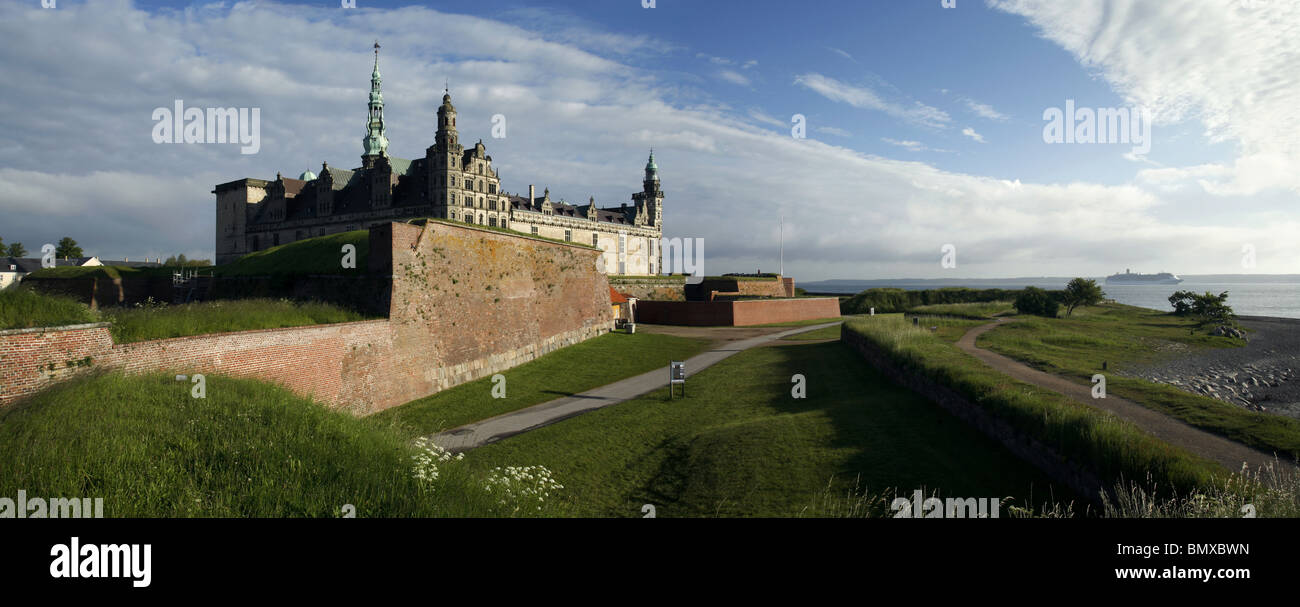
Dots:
{"x": 67, "y": 248}
{"x": 1182, "y": 302}
{"x": 1211, "y": 308}
{"x": 16, "y": 249}
{"x": 1033, "y": 300}
{"x": 1081, "y": 292}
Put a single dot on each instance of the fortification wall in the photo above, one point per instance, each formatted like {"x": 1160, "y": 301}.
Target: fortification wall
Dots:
{"x": 465, "y": 303}
{"x": 738, "y": 313}
{"x": 647, "y": 288}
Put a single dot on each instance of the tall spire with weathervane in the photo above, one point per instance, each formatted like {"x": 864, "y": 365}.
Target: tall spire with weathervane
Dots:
{"x": 375, "y": 142}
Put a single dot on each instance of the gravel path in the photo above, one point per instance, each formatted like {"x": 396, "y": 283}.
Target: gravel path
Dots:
{"x": 1262, "y": 376}
{"x": 1229, "y": 453}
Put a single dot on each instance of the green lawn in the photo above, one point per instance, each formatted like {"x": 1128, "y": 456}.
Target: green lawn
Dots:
{"x": 565, "y": 372}
{"x": 822, "y": 333}
{"x": 164, "y": 321}
{"x": 23, "y": 308}
{"x": 1125, "y": 336}
{"x": 739, "y": 445}
{"x": 248, "y": 449}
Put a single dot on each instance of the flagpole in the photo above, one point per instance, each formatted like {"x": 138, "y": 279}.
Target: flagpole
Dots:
{"x": 782, "y": 240}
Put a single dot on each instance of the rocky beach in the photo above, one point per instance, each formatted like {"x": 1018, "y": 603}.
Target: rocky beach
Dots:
{"x": 1264, "y": 375}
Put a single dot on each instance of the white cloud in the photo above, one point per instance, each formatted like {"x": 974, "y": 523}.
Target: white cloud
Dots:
{"x": 969, "y": 132}
{"x": 733, "y": 77}
{"x": 1224, "y": 63}
{"x": 841, "y": 53}
{"x": 580, "y": 123}
{"x": 909, "y": 145}
{"x": 830, "y": 130}
{"x": 985, "y": 110}
{"x": 867, "y": 99}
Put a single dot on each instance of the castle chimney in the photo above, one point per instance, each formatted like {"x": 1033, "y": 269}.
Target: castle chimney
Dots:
{"x": 531, "y": 195}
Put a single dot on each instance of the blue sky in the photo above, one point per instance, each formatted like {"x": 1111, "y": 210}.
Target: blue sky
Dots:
{"x": 924, "y": 124}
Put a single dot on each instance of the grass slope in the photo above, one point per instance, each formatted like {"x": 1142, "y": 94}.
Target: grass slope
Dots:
{"x": 1075, "y": 347}
{"x": 319, "y": 255}
{"x": 739, "y": 445}
{"x": 565, "y": 372}
{"x": 161, "y": 322}
{"x": 1114, "y": 449}
{"x": 23, "y": 308}
{"x": 249, "y": 449}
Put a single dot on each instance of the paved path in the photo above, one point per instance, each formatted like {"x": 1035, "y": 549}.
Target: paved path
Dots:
{"x": 506, "y": 425}
{"x": 1212, "y": 446}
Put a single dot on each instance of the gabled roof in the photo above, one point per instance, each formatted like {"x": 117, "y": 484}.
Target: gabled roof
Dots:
{"x": 27, "y": 265}
{"x": 616, "y": 297}
{"x": 292, "y": 186}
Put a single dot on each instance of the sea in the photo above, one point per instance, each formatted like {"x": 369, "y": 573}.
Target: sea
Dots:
{"x": 1276, "y": 295}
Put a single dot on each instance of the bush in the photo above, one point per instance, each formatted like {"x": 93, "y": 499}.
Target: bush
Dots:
{"x": 1038, "y": 302}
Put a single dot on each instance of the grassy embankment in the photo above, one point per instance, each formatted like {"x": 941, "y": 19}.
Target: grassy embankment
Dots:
{"x": 1125, "y": 337}
{"x": 248, "y": 449}
{"x": 565, "y": 372}
{"x": 740, "y": 445}
{"x": 1115, "y": 450}
{"x": 973, "y": 310}
{"x": 23, "y": 308}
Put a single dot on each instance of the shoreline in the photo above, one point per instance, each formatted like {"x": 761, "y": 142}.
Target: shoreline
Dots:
{"x": 1263, "y": 375}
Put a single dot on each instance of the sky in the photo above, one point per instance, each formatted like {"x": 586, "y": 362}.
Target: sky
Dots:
{"x": 851, "y": 139}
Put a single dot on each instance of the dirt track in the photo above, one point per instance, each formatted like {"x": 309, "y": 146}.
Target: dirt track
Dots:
{"x": 1211, "y": 446}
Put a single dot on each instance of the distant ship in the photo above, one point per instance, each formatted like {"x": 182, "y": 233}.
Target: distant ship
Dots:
{"x": 1128, "y": 277}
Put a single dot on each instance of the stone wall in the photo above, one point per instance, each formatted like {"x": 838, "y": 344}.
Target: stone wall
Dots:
{"x": 738, "y": 313}
{"x": 663, "y": 289}
{"x": 465, "y": 303}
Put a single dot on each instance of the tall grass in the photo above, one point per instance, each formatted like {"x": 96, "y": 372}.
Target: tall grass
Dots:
{"x": 973, "y": 310}
{"x": 1112, "y": 448}
{"x": 161, "y": 321}
{"x": 24, "y": 308}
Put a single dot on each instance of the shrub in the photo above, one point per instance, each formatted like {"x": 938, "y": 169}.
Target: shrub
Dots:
{"x": 1036, "y": 301}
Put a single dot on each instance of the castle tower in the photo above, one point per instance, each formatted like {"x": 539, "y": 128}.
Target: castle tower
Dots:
{"x": 650, "y": 200}
{"x": 375, "y": 142}
{"x": 445, "y": 182}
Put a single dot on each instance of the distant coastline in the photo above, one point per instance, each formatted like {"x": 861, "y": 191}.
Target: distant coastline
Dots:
{"x": 1270, "y": 295}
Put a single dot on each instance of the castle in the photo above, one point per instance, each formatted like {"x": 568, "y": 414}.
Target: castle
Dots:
{"x": 450, "y": 182}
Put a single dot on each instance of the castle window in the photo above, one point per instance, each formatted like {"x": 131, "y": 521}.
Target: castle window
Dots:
{"x": 453, "y": 215}
{"x": 469, "y": 184}
{"x": 534, "y": 230}
{"x": 568, "y": 235}
{"x": 480, "y": 186}
{"x": 492, "y": 188}
{"x": 595, "y": 239}
{"x": 492, "y": 221}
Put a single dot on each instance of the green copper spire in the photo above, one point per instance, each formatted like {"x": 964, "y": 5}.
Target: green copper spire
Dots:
{"x": 651, "y": 169}
{"x": 375, "y": 142}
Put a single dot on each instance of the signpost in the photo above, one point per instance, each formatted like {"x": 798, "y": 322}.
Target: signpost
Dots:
{"x": 676, "y": 375}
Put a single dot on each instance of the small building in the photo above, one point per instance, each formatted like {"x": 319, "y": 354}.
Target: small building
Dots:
{"x": 13, "y": 269}
{"x": 624, "y": 307}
